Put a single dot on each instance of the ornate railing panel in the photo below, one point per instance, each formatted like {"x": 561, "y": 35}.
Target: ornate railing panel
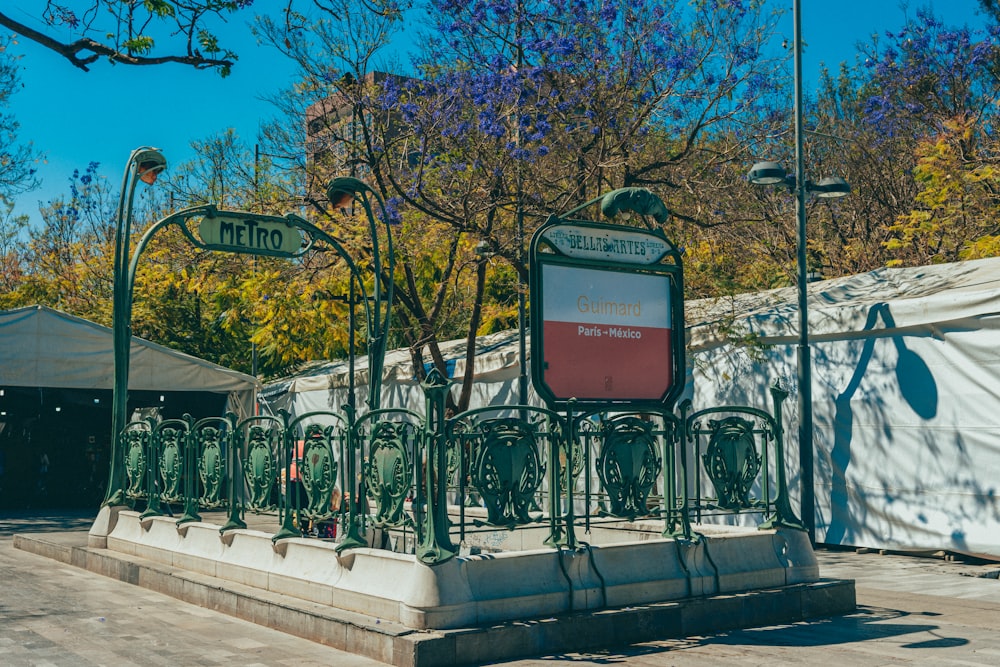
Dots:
{"x": 738, "y": 450}
{"x": 208, "y": 438}
{"x": 628, "y": 465}
{"x": 136, "y": 440}
{"x": 317, "y": 455}
{"x": 633, "y": 467}
{"x": 507, "y": 471}
{"x": 258, "y": 440}
{"x": 172, "y": 440}
{"x": 392, "y": 438}
{"x": 732, "y": 461}
{"x": 506, "y": 465}
{"x": 521, "y": 466}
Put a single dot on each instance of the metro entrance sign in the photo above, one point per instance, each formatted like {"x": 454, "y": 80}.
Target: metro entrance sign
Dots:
{"x": 250, "y": 234}
{"x": 607, "y": 314}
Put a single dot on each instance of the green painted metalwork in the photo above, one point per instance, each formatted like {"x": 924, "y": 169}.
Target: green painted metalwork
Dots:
{"x": 389, "y": 472}
{"x": 191, "y": 462}
{"x": 143, "y": 164}
{"x": 638, "y": 200}
{"x": 519, "y": 465}
{"x": 594, "y": 254}
{"x": 260, "y": 468}
{"x": 430, "y": 504}
{"x": 318, "y": 471}
{"x": 152, "y": 472}
{"x": 573, "y": 451}
{"x": 461, "y": 450}
{"x": 209, "y": 442}
{"x": 291, "y": 497}
{"x": 135, "y": 437}
{"x": 507, "y": 471}
{"x": 355, "y": 506}
{"x": 218, "y": 230}
{"x": 560, "y": 507}
{"x": 677, "y": 519}
{"x": 628, "y": 465}
{"x": 171, "y": 450}
{"x": 522, "y": 469}
{"x": 732, "y": 461}
{"x": 736, "y": 460}
{"x": 783, "y": 514}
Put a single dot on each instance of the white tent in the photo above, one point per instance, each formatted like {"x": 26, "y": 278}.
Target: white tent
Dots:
{"x": 43, "y": 347}
{"x": 56, "y": 381}
{"x": 906, "y": 398}
{"x": 324, "y": 386}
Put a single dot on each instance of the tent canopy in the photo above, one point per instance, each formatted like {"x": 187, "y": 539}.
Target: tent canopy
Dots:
{"x": 921, "y": 297}
{"x": 43, "y": 347}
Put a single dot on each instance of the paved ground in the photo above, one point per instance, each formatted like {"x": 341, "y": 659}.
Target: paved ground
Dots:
{"x": 913, "y": 611}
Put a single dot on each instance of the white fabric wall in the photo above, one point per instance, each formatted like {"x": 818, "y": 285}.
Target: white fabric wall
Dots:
{"x": 906, "y": 398}
{"x": 906, "y": 403}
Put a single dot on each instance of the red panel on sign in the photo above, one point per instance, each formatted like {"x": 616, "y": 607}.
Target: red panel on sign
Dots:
{"x": 607, "y": 362}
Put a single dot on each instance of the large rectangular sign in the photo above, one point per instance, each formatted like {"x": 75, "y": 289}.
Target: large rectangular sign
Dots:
{"x": 607, "y": 334}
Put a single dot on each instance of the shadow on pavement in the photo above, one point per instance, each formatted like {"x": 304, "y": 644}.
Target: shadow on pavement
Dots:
{"x": 46, "y": 521}
{"x": 866, "y": 624}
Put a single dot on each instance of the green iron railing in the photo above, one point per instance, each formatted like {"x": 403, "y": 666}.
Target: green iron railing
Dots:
{"x": 517, "y": 466}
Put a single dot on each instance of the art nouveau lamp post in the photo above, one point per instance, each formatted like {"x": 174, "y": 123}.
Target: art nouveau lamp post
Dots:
{"x": 144, "y": 164}
{"x": 342, "y": 192}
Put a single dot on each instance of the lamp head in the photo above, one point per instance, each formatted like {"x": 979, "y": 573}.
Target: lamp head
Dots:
{"x": 341, "y": 190}
{"x": 832, "y": 187}
{"x": 767, "y": 173}
{"x": 635, "y": 200}
{"x": 148, "y": 165}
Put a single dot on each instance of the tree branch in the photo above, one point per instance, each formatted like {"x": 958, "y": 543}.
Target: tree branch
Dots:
{"x": 85, "y": 51}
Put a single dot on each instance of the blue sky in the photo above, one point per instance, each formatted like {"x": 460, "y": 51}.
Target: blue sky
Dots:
{"x": 75, "y": 117}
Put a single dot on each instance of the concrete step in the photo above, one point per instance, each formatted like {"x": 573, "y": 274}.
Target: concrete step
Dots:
{"x": 396, "y": 644}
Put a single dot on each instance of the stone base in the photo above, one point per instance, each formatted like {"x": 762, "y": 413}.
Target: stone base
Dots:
{"x": 474, "y": 590}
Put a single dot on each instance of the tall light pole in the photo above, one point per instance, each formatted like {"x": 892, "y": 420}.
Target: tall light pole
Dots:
{"x": 144, "y": 164}
{"x": 522, "y": 349}
{"x": 771, "y": 173}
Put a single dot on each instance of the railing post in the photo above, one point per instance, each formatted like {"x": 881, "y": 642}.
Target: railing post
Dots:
{"x": 560, "y": 536}
{"x": 288, "y": 449}
{"x": 152, "y": 470}
{"x": 783, "y": 513}
{"x": 190, "y": 474}
{"x": 681, "y": 442}
{"x": 434, "y": 544}
{"x": 352, "y": 530}
{"x": 570, "y": 540}
{"x": 234, "y": 465}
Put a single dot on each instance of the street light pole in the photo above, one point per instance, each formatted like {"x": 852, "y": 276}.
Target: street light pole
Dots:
{"x": 144, "y": 164}
{"x": 804, "y": 354}
{"x": 772, "y": 173}
{"x": 522, "y": 350}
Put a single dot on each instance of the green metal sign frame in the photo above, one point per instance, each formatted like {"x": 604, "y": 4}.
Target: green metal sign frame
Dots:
{"x": 607, "y": 310}
{"x": 287, "y": 236}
